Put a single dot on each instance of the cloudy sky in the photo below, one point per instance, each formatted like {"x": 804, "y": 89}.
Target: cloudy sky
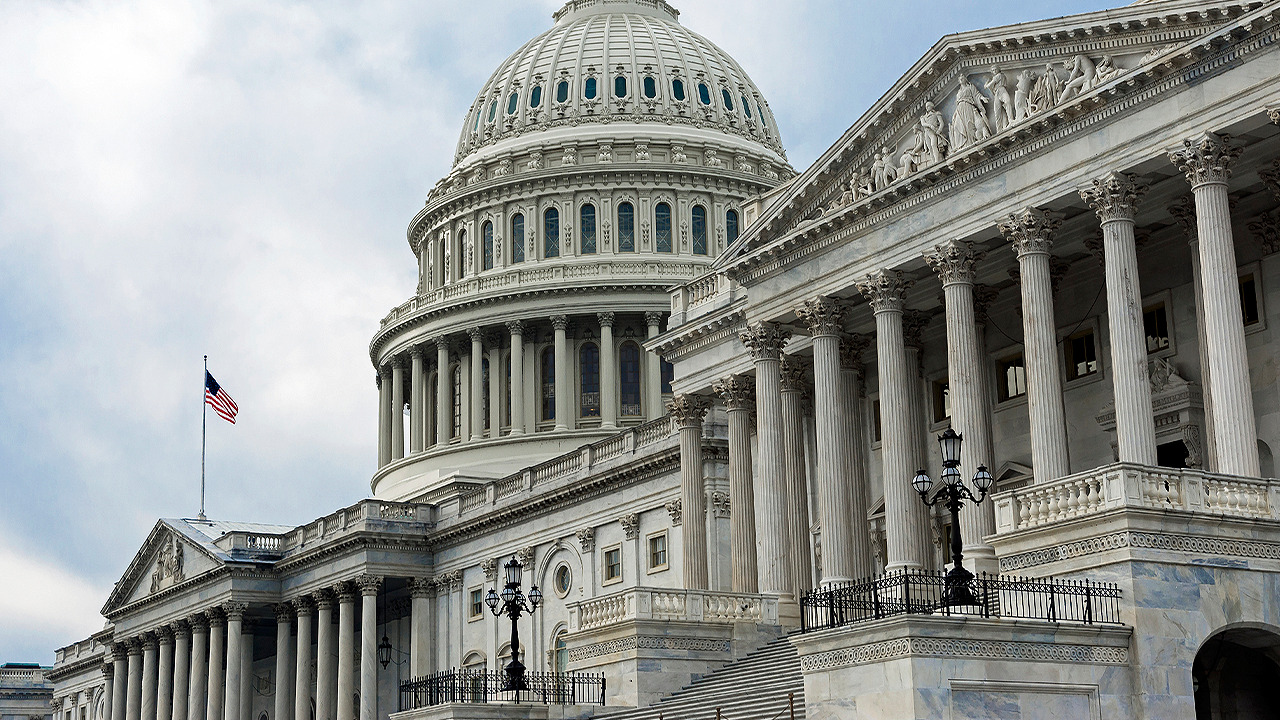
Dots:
{"x": 234, "y": 177}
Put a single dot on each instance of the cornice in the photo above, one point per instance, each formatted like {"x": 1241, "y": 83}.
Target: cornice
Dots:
{"x": 59, "y": 673}
{"x": 703, "y": 331}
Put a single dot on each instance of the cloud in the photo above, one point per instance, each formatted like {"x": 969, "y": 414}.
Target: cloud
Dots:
{"x": 44, "y": 606}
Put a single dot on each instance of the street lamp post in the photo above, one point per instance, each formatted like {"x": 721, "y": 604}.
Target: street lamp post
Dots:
{"x": 953, "y": 494}
{"x": 513, "y": 605}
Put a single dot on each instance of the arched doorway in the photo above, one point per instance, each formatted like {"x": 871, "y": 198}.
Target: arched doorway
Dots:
{"x": 1236, "y": 673}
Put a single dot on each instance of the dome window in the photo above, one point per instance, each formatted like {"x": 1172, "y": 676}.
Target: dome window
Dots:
{"x": 479, "y": 114}
{"x": 589, "y": 372}
{"x": 677, "y": 89}
{"x": 589, "y": 89}
{"x": 535, "y": 96}
{"x": 699, "y": 230}
{"x": 731, "y": 225}
{"x": 728, "y": 100}
{"x": 626, "y": 227}
{"x": 517, "y": 238}
{"x": 620, "y": 86}
{"x": 549, "y": 383}
{"x": 493, "y": 110}
{"x": 629, "y": 379}
{"x": 551, "y": 233}
{"x": 662, "y": 228}
{"x": 562, "y": 91}
{"x": 587, "y": 225}
{"x": 488, "y": 245}
{"x": 704, "y": 93}
{"x": 651, "y": 87}
{"x": 512, "y": 103}
{"x": 746, "y": 107}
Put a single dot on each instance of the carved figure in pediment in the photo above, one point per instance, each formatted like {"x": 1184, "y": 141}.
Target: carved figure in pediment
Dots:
{"x": 883, "y": 173}
{"x": 535, "y": 161}
{"x": 916, "y": 156}
{"x": 969, "y": 122}
{"x": 1105, "y": 71}
{"x": 934, "y": 129}
{"x": 1002, "y": 101}
{"x": 1022, "y": 95}
{"x": 1080, "y": 77}
{"x": 1045, "y": 91}
{"x": 859, "y": 185}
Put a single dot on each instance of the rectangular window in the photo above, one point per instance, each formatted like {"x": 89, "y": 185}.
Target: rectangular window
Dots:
{"x": 612, "y": 565}
{"x": 941, "y": 400}
{"x": 1012, "y": 381}
{"x": 1156, "y": 322}
{"x": 476, "y": 603}
{"x": 1082, "y": 355}
{"x": 658, "y": 552}
{"x": 1249, "y": 300}
{"x": 875, "y": 419}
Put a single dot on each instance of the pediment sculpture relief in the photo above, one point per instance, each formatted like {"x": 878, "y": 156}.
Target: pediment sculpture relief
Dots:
{"x": 168, "y": 569}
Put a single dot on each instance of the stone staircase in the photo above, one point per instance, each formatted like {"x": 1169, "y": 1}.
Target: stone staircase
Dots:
{"x": 753, "y": 688}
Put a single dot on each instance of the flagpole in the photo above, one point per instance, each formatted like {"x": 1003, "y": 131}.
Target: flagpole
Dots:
{"x": 204, "y": 423}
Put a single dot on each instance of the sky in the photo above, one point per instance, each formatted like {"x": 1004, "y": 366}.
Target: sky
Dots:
{"x": 234, "y": 178}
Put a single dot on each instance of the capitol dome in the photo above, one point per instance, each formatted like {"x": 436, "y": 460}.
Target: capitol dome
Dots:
{"x": 606, "y": 160}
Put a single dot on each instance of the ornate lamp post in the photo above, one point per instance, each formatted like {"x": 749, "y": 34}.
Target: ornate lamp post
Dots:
{"x": 513, "y": 605}
{"x": 953, "y": 494}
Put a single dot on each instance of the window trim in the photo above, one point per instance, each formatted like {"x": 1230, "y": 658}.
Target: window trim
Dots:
{"x": 997, "y": 357}
{"x": 934, "y": 424}
{"x": 652, "y": 569}
{"x": 875, "y": 424}
{"x": 1091, "y": 324}
{"x": 605, "y": 580}
{"x": 618, "y": 211}
{"x": 1162, "y": 297}
{"x": 471, "y": 615}
{"x": 1254, "y": 269}
{"x": 555, "y": 586}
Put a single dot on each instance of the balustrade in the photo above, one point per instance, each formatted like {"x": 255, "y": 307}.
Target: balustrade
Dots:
{"x": 644, "y": 603}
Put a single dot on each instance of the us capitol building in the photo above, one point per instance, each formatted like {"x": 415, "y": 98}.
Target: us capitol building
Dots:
{"x": 688, "y": 389}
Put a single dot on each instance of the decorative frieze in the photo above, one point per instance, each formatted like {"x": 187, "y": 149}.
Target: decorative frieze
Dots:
{"x": 1115, "y": 196}
{"x": 957, "y": 648}
{"x": 1206, "y": 159}
{"x": 662, "y": 642}
{"x": 765, "y": 340}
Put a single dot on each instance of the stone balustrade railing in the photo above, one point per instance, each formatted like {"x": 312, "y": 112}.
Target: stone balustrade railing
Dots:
{"x": 699, "y": 296}
{"x": 349, "y": 519}
{"x": 1135, "y": 486}
{"x": 649, "y": 603}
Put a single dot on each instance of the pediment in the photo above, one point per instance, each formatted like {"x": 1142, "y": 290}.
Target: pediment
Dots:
{"x": 975, "y": 94}
{"x": 167, "y": 558}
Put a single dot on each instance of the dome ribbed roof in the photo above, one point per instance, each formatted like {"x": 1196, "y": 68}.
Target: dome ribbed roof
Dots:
{"x": 618, "y": 61}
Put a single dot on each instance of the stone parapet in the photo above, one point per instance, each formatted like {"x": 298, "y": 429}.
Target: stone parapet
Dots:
{"x": 697, "y": 606}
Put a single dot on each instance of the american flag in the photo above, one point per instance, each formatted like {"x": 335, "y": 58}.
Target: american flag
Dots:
{"x": 219, "y": 400}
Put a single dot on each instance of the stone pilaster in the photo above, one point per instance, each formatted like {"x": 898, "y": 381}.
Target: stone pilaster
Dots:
{"x": 564, "y": 380}
{"x": 1206, "y": 161}
{"x": 477, "y": 382}
{"x": 421, "y": 626}
{"x": 954, "y": 263}
{"x": 516, "y": 328}
{"x": 369, "y": 586}
{"x": 1031, "y": 234}
{"x": 608, "y": 373}
{"x": 1115, "y": 199}
{"x": 688, "y": 412}
{"x": 738, "y": 395}
{"x": 444, "y": 408}
{"x": 653, "y": 369}
{"x": 885, "y": 290}
{"x": 794, "y": 386}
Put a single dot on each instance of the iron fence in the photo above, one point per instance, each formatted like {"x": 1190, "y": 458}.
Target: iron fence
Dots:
{"x": 479, "y": 686}
{"x": 917, "y": 592}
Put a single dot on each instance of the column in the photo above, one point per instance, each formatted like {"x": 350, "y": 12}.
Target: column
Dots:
{"x": 108, "y": 690}
{"x": 738, "y": 394}
{"x": 1031, "y": 233}
{"x": 688, "y": 411}
{"x": 653, "y": 370}
{"x": 346, "y": 651}
{"x": 417, "y": 400}
{"x": 325, "y": 677}
{"x": 133, "y": 704}
{"x": 765, "y": 341}
{"x": 119, "y": 680}
{"x": 477, "y": 383}
{"x": 794, "y": 385}
{"x": 1207, "y": 161}
{"x": 913, "y": 324}
{"x": 496, "y": 386}
{"x": 608, "y": 373}
{"x": 1184, "y": 211}
{"x": 214, "y": 677}
{"x": 246, "y": 671}
{"x": 857, "y": 447}
{"x": 396, "y": 409}
{"x": 181, "y": 670}
{"x": 903, "y": 511}
{"x": 954, "y": 263}
{"x": 302, "y": 666}
{"x": 235, "y": 663}
{"x": 444, "y": 386}
{"x": 198, "y": 677}
{"x": 384, "y": 415}
{"x": 369, "y": 586}
{"x": 149, "y": 676}
{"x": 564, "y": 381}
{"x": 840, "y": 548}
{"x": 284, "y": 676}
{"x": 516, "y": 328}
{"x": 421, "y": 626}
{"x": 164, "y": 681}
{"x": 1115, "y": 198}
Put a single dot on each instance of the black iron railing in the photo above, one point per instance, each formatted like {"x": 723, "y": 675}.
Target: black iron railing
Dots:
{"x": 478, "y": 686}
{"x": 916, "y": 592}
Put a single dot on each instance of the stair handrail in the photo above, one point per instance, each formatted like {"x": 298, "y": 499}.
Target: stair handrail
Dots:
{"x": 789, "y": 709}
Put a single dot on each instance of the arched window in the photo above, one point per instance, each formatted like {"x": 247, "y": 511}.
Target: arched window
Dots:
{"x": 589, "y": 89}
{"x": 728, "y": 100}
{"x": 746, "y": 107}
{"x": 626, "y": 227}
{"x": 485, "y": 390}
{"x": 668, "y": 372}
{"x": 432, "y": 418}
{"x": 677, "y": 89}
{"x": 517, "y": 238}
{"x": 589, "y": 371}
{"x": 513, "y": 103}
{"x": 651, "y": 87}
{"x": 704, "y": 93}
{"x": 460, "y": 254}
{"x": 506, "y": 391}
{"x": 479, "y": 114}
{"x": 488, "y": 245}
{"x": 629, "y": 379}
{"x": 561, "y": 653}
{"x": 587, "y": 226}
{"x": 551, "y": 233}
{"x": 562, "y": 91}
{"x": 662, "y": 228}
{"x": 549, "y": 383}
{"x": 457, "y": 402}
{"x": 535, "y": 96}
{"x": 620, "y": 86}
{"x": 731, "y": 225}
{"x": 493, "y": 110}
{"x": 699, "y": 227}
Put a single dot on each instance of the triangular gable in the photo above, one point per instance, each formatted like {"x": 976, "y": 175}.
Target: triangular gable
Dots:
{"x": 972, "y": 93}
{"x": 167, "y": 557}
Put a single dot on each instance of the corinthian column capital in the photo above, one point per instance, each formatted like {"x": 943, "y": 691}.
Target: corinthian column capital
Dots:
{"x": 954, "y": 261}
{"x": 476, "y": 334}
{"x": 605, "y": 319}
{"x": 765, "y": 340}
{"x": 1271, "y": 178}
{"x": 369, "y": 584}
{"x": 1183, "y": 211}
{"x": 1031, "y": 230}
{"x": 1206, "y": 158}
{"x": 851, "y": 348}
{"x": 823, "y": 315}
{"x": 792, "y": 375}
{"x": 885, "y": 289}
{"x": 1114, "y": 196}
{"x": 235, "y": 610}
{"x": 737, "y": 392}
{"x": 560, "y": 322}
{"x": 688, "y": 409}
{"x": 1274, "y": 114}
